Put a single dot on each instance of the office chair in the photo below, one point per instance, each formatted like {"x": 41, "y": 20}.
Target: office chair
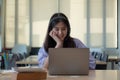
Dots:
{"x": 20, "y": 49}
{"x": 19, "y": 52}
{"x": 103, "y": 57}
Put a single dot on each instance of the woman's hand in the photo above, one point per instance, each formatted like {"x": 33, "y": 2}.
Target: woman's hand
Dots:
{"x": 45, "y": 66}
{"x": 59, "y": 41}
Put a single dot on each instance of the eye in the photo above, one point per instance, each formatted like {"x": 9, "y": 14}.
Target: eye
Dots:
{"x": 64, "y": 29}
{"x": 56, "y": 29}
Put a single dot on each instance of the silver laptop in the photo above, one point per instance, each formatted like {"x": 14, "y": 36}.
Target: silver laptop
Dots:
{"x": 68, "y": 61}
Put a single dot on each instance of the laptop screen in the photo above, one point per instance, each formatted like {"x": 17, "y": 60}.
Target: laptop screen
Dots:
{"x": 68, "y": 61}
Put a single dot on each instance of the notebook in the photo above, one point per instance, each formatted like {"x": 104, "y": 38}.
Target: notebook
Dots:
{"x": 30, "y": 73}
{"x": 68, "y": 61}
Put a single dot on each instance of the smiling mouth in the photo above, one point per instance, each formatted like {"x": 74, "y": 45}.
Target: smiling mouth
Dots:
{"x": 61, "y": 36}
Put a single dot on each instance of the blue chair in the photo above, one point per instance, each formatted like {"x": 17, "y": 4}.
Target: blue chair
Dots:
{"x": 103, "y": 57}
{"x": 18, "y": 52}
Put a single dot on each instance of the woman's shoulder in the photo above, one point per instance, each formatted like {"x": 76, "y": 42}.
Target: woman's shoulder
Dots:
{"x": 79, "y": 43}
{"x": 76, "y": 40}
{"x": 42, "y": 49}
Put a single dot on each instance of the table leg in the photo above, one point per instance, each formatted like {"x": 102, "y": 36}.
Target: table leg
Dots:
{"x": 112, "y": 65}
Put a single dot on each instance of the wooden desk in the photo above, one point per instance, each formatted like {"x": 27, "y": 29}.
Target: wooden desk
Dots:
{"x": 29, "y": 60}
{"x": 93, "y": 75}
{"x": 113, "y": 59}
{"x": 101, "y": 62}
{"x": 34, "y": 60}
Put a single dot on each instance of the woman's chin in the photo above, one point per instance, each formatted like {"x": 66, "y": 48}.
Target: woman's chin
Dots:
{"x": 61, "y": 38}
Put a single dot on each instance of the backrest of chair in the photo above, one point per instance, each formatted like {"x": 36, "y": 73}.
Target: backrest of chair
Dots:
{"x": 34, "y": 50}
{"x": 101, "y": 56}
{"x": 19, "y": 48}
{"x": 104, "y": 57}
{"x": 98, "y": 55}
{"x": 93, "y": 54}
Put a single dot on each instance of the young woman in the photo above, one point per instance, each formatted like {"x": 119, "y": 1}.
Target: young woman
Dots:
{"x": 58, "y": 36}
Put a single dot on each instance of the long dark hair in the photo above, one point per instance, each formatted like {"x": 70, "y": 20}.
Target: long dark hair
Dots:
{"x": 49, "y": 41}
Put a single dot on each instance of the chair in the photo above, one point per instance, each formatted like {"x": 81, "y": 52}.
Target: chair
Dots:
{"x": 103, "y": 57}
{"x": 20, "y": 49}
{"x": 34, "y": 50}
{"x": 93, "y": 54}
{"x": 98, "y": 54}
{"x": 18, "y": 52}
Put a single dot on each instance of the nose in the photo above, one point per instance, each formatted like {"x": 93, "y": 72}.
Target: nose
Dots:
{"x": 60, "y": 32}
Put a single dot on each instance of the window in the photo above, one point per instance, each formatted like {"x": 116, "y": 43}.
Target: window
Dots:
{"x": 41, "y": 13}
{"x": 94, "y": 22}
{"x": 10, "y": 23}
{"x": 23, "y": 22}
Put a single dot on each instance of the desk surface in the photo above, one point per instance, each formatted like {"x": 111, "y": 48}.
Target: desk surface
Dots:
{"x": 34, "y": 60}
{"x": 93, "y": 75}
{"x": 114, "y": 58}
{"x": 29, "y": 60}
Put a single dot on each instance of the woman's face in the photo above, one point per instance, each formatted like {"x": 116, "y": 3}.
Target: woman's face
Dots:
{"x": 61, "y": 30}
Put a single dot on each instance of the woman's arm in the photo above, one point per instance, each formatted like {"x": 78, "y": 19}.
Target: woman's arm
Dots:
{"x": 42, "y": 56}
{"x": 58, "y": 40}
{"x": 92, "y": 62}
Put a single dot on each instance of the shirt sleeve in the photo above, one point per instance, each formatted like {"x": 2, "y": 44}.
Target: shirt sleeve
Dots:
{"x": 42, "y": 54}
{"x": 92, "y": 62}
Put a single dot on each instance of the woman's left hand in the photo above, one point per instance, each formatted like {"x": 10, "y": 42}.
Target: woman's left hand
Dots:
{"x": 54, "y": 35}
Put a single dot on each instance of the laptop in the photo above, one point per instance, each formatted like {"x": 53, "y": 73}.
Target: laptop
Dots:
{"x": 68, "y": 61}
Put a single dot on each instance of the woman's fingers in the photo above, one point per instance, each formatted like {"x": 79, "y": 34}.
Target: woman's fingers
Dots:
{"x": 54, "y": 35}
{"x": 46, "y": 63}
